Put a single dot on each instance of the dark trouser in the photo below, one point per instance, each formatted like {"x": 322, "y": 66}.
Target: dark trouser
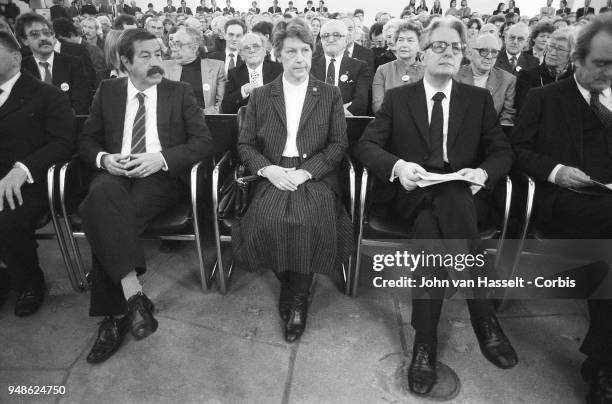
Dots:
{"x": 583, "y": 216}
{"x": 444, "y": 216}
{"x": 297, "y": 283}
{"x": 115, "y": 212}
{"x": 17, "y": 240}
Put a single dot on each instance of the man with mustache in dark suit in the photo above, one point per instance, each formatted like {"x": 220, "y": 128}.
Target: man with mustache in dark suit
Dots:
{"x": 143, "y": 135}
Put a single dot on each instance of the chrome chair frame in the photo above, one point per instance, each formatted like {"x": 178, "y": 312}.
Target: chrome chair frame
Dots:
{"x": 381, "y": 242}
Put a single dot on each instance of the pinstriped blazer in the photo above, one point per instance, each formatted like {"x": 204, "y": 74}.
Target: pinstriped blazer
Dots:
{"x": 321, "y": 137}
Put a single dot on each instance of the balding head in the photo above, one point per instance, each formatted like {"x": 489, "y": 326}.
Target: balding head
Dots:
{"x": 350, "y": 28}
{"x": 516, "y": 37}
{"x": 333, "y": 38}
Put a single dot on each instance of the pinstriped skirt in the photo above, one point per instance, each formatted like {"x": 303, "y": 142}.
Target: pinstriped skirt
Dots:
{"x": 304, "y": 231}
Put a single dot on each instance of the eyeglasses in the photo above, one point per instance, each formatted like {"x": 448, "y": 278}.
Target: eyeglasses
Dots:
{"x": 550, "y": 48}
{"x": 486, "y": 52}
{"x": 335, "y": 36}
{"x": 177, "y": 45}
{"x": 37, "y": 34}
{"x": 440, "y": 47}
{"x": 251, "y": 48}
{"x": 513, "y": 38}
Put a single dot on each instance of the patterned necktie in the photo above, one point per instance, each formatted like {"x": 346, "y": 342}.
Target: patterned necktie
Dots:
{"x": 231, "y": 64}
{"x": 436, "y": 135}
{"x": 603, "y": 113}
{"x": 47, "y": 79}
{"x": 254, "y": 77}
{"x": 139, "y": 143}
{"x": 330, "y": 78}
{"x": 513, "y": 61}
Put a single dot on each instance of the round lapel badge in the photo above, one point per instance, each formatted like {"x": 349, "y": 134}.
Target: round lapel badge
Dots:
{"x": 405, "y": 78}
{"x": 64, "y": 87}
{"x": 343, "y": 78}
{"x": 206, "y": 87}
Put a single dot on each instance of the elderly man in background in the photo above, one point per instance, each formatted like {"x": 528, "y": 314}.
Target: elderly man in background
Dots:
{"x": 512, "y": 58}
{"x": 254, "y": 73}
{"x": 190, "y": 65}
{"x": 353, "y": 49}
{"x": 349, "y": 74}
{"x": 481, "y": 72}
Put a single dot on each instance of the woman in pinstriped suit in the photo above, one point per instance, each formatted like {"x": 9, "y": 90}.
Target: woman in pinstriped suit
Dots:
{"x": 294, "y": 136}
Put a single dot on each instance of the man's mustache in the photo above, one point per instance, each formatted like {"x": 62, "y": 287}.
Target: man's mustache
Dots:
{"x": 45, "y": 43}
{"x": 155, "y": 70}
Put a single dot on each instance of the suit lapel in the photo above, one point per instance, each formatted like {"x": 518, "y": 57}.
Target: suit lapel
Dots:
{"x": 278, "y": 100}
{"x": 117, "y": 110}
{"x": 494, "y": 81}
{"x": 318, "y": 68}
{"x": 163, "y": 111}
{"x": 19, "y": 96}
{"x": 59, "y": 70}
{"x": 465, "y": 75}
{"x": 312, "y": 97}
{"x": 417, "y": 105}
{"x": 456, "y": 113}
{"x": 570, "y": 103}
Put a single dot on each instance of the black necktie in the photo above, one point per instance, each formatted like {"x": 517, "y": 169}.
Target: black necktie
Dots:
{"x": 513, "y": 62}
{"x": 48, "y": 78}
{"x": 330, "y": 78}
{"x": 436, "y": 136}
{"x": 139, "y": 141}
{"x": 231, "y": 64}
{"x": 603, "y": 113}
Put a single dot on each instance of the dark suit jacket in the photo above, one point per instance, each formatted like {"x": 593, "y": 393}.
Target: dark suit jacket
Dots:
{"x": 220, "y": 55}
{"x": 170, "y": 9}
{"x": 321, "y": 137}
{"x": 565, "y": 11}
{"x": 186, "y": 11}
{"x": 537, "y": 76}
{"x": 276, "y": 9}
{"x": 355, "y": 88}
{"x": 365, "y": 55}
{"x": 58, "y": 11}
{"x": 80, "y": 51}
{"x": 237, "y": 77}
{"x": 37, "y": 127}
{"x": 228, "y": 10}
{"x": 401, "y": 131}
{"x": 184, "y": 137}
{"x": 89, "y": 9}
{"x": 580, "y": 12}
{"x": 67, "y": 71}
{"x": 524, "y": 61}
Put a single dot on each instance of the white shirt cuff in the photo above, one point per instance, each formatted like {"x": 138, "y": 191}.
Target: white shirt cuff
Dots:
{"x": 393, "y": 170}
{"x": 99, "y": 159}
{"x": 30, "y": 179}
{"x": 553, "y": 173}
{"x": 260, "y": 171}
{"x": 309, "y": 175}
{"x": 165, "y": 166}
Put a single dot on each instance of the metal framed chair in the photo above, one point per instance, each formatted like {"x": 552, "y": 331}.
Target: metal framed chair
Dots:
{"x": 375, "y": 230}
{"x": 224, "y": 168}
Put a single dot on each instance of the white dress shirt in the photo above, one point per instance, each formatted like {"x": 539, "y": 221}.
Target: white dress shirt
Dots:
{"x": 338, "y": 60}
{"x": 41, "y": 69}
{"x": 151, "y": 136}
{"x": 6, "y": 88}
{"x": 294, "y": 102}
{"x": 349, "y": 50}
{"x": 259, "y": 81}
{"x": 429, "y": 93}
{"x": 605, "y": 97}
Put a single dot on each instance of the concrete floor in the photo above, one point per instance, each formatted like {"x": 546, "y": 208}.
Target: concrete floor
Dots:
{"x": 229, "y": 349}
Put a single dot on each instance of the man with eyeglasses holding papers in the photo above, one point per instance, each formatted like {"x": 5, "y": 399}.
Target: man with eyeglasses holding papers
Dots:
{"x": 254, "y": 73}
{"x": 512, "y": 57}
{"x": 352, "y": 76}
{"x": 481, "y": 72}
{"x": 440, "y": 125}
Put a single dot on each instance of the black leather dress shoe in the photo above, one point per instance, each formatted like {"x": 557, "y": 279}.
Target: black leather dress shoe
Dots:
{"x": 296, "y": 320}
{"x": 140, "y": 316}
{"x": 30, "y": 299}
{"x": 422, "y": 371}
{"x": 599, "y": 379}
{"x": 494, "y": 344}
{"x": 110, "y": 335}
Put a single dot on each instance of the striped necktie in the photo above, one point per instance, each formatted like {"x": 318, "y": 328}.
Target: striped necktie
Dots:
{"x": 603, "y": 113}
{"x": 47, "y": 79}
{"x": 139, "y": 142}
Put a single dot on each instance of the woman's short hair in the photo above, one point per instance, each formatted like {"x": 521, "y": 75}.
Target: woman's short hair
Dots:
{"x": 295, "y": 28}
{"x": 110, "y": 49}
{"x": 376, "y": 29}
{"x": 408, "y": 27}
{"x": 392, "y": 23}
{"x": 601, "y": 23}
{"x": 567, "y": 34}
{"x": 449, "y": 22}
{"x": 541, "y": 27}
{"x": 478, "y": 22}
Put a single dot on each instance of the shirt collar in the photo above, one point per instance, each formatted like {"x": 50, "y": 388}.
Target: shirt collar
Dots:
{"x": 50, "y": 60}
{"x": 258, "y": 69}
{"x": 430, "y": 91}
{"x": 132, "y": 91}
{"x": 227, "y": 52}
{"x": 350, "y": 49}
{"x": 338, "y": 59}
{"x": 607, "y": 93}
{"x": 7, "y": 87}
{"x": 511, "y": 56}
{"x": 58, "y": 46}
{"x": 302, "y": 86}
